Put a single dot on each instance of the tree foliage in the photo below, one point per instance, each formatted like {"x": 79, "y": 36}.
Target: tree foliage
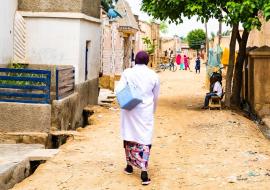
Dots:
{"x": 231, "y": 12}
{"x": 226, "y": 33}
{"x": 163, "y": 27}
{"x": 150, "y": 46}
{"x": 196, "y": 38}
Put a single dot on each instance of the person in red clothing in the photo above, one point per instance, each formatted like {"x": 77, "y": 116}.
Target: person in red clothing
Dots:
{"x": 178, "y": 60}
{"x": 186, "y": 62}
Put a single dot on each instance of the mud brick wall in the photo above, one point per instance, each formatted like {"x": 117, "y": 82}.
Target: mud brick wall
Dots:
{"x": 88, "y": 7}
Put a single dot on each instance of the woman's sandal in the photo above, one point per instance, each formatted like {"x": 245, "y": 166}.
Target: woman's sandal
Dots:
{"x": 128, "y": 170}
{"x": 146, "y": 182}
{"x": 145, "y": 179}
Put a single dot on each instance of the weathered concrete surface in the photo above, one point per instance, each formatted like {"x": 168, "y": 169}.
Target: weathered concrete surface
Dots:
{"x": 14, "y": 163}
{"x": 42, "y": 154}
{"x": 25, "y": 138}
{"x": 88, "y": 7}
{"x": 67, "y": 114}
{"x": 88, "y": 94}
{"x": 25, "y": 117}
{"x": 13, "y": 172}
{"x": 63, "y": 117}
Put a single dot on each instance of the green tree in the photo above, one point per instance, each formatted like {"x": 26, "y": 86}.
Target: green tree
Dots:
{"x": 196, "y": 38}
{"x": 226, "y": 33}
{"x": 163, "y": 27}
{"x": 150, "y": 46}
{"x": 228, "y": 11}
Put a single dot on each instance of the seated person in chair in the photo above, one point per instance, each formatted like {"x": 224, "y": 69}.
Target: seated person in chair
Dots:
{"x": 217, "y": 91}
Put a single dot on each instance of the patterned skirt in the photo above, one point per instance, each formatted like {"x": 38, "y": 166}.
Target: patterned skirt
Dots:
{"x": 137, "y": 154}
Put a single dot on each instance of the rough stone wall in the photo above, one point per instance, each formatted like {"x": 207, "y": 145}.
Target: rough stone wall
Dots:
{"x": 91, "y": 7}
{"x": 63, "y": 117}
{"x": 16, "y": 117}
{"x": 88, "y": 7}
{"x": 67, "y": 114}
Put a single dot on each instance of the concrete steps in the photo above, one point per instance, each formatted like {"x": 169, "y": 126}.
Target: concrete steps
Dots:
{"x": 106, "y": 98}
{"x": 42, "y": 154}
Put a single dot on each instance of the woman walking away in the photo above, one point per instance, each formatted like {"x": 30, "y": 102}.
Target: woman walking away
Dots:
{"x": 198, "y": 65}
{"x": 137, "y": 124}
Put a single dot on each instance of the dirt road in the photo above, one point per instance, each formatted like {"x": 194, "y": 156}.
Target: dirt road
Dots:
{"x": 192, "y": 149}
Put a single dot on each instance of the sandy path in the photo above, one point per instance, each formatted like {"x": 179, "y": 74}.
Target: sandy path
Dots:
{"x": 192, "y": 149}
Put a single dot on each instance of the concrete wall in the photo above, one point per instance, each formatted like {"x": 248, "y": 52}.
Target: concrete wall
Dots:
{"x": 112, "y": 52}
{"x": 112, "y": 49}
{"x": 262, "y": 86}
{"x": 174, "y": 44}
{"x": 259, "y": 81}
{"x": 53, "y": 41}
{"x": 25, "y": 117}
{"x": 62, "y": 41}
{"x": 145, "y": 31}
{"x": 89, "y": 32}
{"x": 152, "y": 32}
{"x": 67, "y": 114}
{"x": 88, "y": 7}
{"x": 7, "y": 13}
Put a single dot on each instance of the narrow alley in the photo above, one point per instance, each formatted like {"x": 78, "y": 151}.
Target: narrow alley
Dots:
{"x": 192, "y": 148}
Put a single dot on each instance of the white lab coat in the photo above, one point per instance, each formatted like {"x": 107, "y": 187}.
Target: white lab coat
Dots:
{"x": 137, "y": 124}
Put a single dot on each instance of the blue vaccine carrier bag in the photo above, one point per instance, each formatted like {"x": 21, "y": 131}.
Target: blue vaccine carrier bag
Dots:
{"x": 128, "y": 98}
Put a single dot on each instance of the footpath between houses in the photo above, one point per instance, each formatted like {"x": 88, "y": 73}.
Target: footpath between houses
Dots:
{"x": 192, "y": 149}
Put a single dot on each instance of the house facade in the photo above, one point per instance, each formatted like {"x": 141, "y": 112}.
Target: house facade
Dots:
{"x": 150, "y": 31}
{"x": 118, "y": 41}
{"x": 64, "y": 33}
{"x": 173, "y": 43}
{"x": 49, "y": 35}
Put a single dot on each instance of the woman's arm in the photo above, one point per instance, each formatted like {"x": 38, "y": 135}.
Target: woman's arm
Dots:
{"x": 156, "y": 93}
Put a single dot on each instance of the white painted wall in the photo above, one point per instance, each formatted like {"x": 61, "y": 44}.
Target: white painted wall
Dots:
{"x": 61, "y": 41}
{"x": 90, "y": 31}
{"x": 52, "y": 41}
{"x": 7, "y": 12}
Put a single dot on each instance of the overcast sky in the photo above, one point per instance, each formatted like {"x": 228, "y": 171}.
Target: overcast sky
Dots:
{"x": 180, "y": 30}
